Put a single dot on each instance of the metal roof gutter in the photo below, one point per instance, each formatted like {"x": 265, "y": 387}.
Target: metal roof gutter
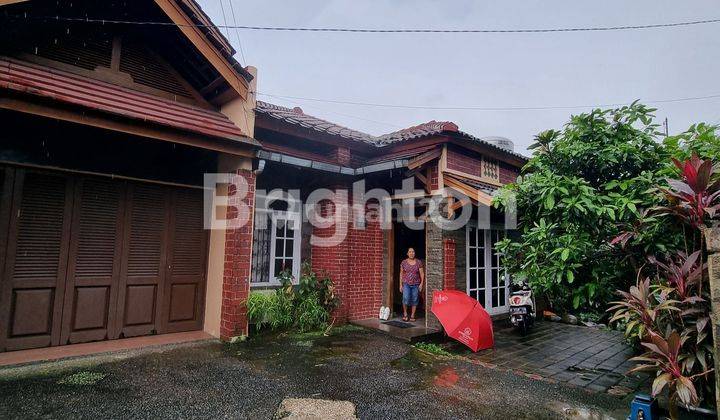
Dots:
{"x": 329, "y": 167}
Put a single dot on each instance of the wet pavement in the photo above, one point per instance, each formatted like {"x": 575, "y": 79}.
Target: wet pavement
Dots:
{"x": 593, "y": 359}
{"x": 383, "y": 377}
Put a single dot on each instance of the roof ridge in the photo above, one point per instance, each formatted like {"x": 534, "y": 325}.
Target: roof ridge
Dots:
{"x": 433, "y": 127}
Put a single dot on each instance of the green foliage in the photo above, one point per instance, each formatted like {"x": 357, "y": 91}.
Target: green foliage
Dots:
{"x": 700, "y": 139}
{"x": 583, "y": 186}
{"x": 305, "y": 307}
{"x": 432, "y": 348}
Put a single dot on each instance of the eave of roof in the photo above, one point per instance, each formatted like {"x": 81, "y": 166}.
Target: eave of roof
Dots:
{"x": 64, "y": 87}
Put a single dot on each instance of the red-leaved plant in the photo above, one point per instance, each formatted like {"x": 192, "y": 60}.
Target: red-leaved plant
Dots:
{"x": 694, "y": 197}
{"x": 669, "y": 312}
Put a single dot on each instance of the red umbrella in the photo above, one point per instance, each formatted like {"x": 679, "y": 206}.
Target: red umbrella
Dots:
{"x": 463, "y": 318}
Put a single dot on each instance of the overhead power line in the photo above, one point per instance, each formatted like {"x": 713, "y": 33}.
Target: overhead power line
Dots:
{"x": 480, "y": 108}
{"x": 383, "y": 31}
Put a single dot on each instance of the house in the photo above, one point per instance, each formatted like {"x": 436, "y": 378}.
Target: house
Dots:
{"x": 304, "y": 153}
{"x": 110, "y": 131}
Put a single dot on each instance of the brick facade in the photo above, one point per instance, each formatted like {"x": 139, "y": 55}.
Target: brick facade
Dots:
{"x": 449, "y": 264}
{"x": 365, "y": 267}
{"x": 355, "y": 265}
{"x": 508, "y": 174}
{"x": 464, "y": 162}
{"x": 238, "y": 256}
{"x": 333, "y": 260}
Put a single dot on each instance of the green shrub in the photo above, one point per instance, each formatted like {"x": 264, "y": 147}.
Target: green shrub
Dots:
{"x": 305, "y": 307}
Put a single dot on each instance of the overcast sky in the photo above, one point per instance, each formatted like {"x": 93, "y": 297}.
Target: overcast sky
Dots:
{"x": 481, "y": 70}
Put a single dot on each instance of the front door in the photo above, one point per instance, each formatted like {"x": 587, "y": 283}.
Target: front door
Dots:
{"x": 487, "y": 281}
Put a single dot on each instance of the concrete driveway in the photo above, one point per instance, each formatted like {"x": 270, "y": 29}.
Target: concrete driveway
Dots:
{"x": 383, "y": 377}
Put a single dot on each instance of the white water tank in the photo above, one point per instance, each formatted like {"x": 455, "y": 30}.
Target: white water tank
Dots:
{"x": 501, "y": 142}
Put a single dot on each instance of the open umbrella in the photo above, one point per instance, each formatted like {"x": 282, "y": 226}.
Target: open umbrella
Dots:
{"x": 463, "y": 318}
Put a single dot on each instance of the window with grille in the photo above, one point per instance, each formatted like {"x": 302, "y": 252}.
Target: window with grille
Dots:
{"x": 276, "y": 248}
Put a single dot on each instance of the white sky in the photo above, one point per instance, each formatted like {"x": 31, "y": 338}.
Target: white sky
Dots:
{"x": 481, "y": 70}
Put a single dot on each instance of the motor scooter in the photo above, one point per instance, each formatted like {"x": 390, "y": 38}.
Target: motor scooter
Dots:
{"x": 522, "y": 307}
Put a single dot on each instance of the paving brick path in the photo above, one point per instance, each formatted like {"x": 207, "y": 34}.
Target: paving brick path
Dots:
{"x": 593, "y": 359}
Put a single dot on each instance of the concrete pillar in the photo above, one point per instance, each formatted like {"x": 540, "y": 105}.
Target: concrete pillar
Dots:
{"x": 242, "y": 111}
{"x": 712, "y": 237}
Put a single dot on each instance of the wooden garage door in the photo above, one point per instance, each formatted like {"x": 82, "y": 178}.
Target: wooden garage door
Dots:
{"x": 91, "y": 259}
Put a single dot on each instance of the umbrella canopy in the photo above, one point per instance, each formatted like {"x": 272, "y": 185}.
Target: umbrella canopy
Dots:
{"x": 463, "y": 318}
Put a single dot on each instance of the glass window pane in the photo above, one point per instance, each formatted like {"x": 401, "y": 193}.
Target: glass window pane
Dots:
{"x": 473, "y": 278}
{"x": 289, "y": 248}
{"x": 494, "y": 278}
{"x": 279, "y": 248}
{"x": 279, "y": 227}
{"x": 473, "y": 294}
{"x": 472, "y": 237}
{"x": 481, "y": 297}
{"x": 473, "y": 258}
{"x": 494, "y": 300}
{"x": 502, "y": 297}
{"x": 278, "y": 266}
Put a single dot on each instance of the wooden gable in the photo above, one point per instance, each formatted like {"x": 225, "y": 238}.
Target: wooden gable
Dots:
{"x": 177, "y": 59}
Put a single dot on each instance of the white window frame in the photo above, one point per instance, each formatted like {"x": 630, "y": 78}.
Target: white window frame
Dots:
{"x": 276, "y": 215}
{"x": 487, "y": 268}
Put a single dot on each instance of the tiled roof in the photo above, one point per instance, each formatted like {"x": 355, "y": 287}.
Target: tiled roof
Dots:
{"x": 97, "y": 95}
{"x": 296, "y": 116}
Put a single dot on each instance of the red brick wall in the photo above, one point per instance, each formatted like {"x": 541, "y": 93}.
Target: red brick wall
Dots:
{"x": 332, "y": 260}
{"x": 449, "y": 264}
{"x": 466, "y": 162}
{"x": 355, "y": 266}
{"x": 508, "y": 174}
{"x": 365, "y": 265}
{"x": 433, "y": 178}
{"x": 238, "y": 255}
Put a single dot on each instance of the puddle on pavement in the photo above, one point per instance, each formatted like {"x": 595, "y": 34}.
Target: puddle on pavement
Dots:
{"x": 271, "y": 350}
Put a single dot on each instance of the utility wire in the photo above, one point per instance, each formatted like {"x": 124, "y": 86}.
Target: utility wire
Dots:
{"x": 237, "y": 33}
{"x": 479, "y": 108}
{"x": 384, "y": 31}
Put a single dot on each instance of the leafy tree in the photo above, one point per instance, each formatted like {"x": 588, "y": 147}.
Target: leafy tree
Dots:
{"x": 583, "y": 186}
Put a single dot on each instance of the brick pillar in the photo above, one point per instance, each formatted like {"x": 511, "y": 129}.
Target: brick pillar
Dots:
{"x": 333, "y": 260}
{"x": 449, "y": 264}
{"x": 238, "y": 258}
{"x": 342, "y": 155}
{"x": 713, "y": 246}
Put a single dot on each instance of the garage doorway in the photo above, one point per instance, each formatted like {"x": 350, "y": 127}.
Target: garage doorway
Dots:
{"x": 90, "y": 258}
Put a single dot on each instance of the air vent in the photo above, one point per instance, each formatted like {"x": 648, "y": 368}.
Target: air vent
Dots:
{"x": 84, "y": 54}
{"x": 148, "y": 70}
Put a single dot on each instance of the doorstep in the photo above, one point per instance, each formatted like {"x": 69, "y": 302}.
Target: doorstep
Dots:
{"x": 412, "y": 334}
{"x": 85, "y": 349}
